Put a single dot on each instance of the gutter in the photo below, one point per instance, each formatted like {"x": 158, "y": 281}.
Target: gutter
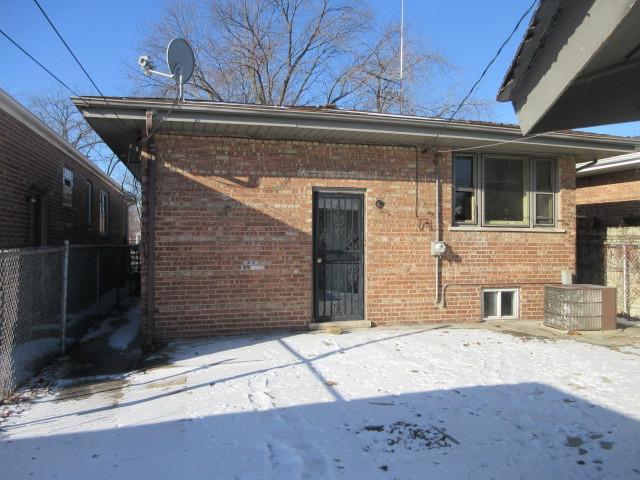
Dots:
{"x": 614, "y": 164}
{"x": 190, "y": 112}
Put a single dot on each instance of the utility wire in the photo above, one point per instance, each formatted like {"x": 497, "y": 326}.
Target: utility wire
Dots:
{"x": 155, "y": 129}
{"x": 75, "y": 57}
{"x": 33, "y": 59}
{"x": 68, "y": 48}
{"x": 486, "y": 69}
{"x": 529, "y": 137}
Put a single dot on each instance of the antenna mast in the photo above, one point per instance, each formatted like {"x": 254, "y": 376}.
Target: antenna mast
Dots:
{"x": 401, "y": 52}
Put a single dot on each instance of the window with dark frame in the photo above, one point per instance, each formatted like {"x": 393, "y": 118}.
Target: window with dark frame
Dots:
{"x": 89, "y": 201}
{"x": 493, "y": 190}
{"x": 67, "y": 187}
{"x": 103, "y": 223}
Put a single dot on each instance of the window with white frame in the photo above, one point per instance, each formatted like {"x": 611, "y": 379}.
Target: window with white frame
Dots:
{"x": 504, "y": 190}
{"x": 103, "y": 220}
{"x": 89, "y": 201}
{"x": 499, "y": 303}
{"x": 67, "y": 187}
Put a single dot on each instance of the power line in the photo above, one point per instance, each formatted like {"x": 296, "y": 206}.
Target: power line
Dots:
{"x": 75, "y": 57}
{"x": 33, "y": 59}
{"x": 68, "y": 48}
{"x": 496, "y": 143}
{"x": 486, "y": 69}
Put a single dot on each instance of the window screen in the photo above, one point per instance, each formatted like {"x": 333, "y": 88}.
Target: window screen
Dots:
{"x": 505, "y": 191}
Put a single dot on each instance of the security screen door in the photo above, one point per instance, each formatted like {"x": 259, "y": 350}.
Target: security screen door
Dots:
{"x": 338, "y": 258}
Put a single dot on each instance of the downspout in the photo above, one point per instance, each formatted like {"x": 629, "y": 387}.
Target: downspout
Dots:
{"x": 151, "y": 229}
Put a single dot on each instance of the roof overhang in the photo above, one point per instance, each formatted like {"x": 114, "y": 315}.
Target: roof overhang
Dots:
{"x": 578, "y": 66}
{"x": 621, "y": 163}
{"x": 122, "y": 122}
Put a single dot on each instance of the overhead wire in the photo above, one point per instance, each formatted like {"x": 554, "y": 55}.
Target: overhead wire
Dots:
{"x": 64, "y": 42}
{"x": 486, "y": 69}
{"x": 33, "y": 59}
{"x": 75, "y": 57}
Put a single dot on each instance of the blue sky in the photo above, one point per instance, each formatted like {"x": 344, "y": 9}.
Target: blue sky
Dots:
{"x": 105, "y": 35}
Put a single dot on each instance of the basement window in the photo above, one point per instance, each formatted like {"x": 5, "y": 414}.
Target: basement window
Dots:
{"x": 499, "y": 304}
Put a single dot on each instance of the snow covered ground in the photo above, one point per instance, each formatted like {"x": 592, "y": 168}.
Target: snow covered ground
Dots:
{"x": 438, "y": 403}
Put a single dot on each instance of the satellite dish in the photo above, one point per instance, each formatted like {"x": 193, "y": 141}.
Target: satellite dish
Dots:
{"x": 180, "y": 59}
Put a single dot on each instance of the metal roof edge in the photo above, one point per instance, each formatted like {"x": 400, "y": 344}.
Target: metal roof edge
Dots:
{"x": 122, "y": 107}
{"x": 20, "y": 113}
{"x": 619, "y": 163}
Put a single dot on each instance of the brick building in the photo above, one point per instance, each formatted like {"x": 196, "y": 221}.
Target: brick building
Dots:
{"x": 608, "y": 192}
{"x": 50, "y": 192}
{"x": 259, "y": 218}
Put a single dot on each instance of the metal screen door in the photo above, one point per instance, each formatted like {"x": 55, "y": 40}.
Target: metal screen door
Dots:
{"x": 338, "y": 249}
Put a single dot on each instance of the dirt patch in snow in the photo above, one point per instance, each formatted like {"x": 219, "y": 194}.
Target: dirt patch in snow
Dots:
{"x": 410, "y": 436}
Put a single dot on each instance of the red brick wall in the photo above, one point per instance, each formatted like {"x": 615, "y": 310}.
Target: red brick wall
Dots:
{"x": 28, "y": 163}
{"x": 222, "y": 202}
{"x": 611, "y": 197}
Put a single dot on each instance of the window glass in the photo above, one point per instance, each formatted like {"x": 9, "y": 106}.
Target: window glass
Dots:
{"x": 104, "y": 212}
{"x": 507, "y": 304}
{"x": 67, "y": 187}
{"x": 544, "y": 209}
{"x": 490, "y": 304}
{"x": 464, "y": 206}
{"x": 544, "y": 176}
{"x": 463, "y": 171}
{"x": 465, "y": 189}
{"x": 505, "y": 195}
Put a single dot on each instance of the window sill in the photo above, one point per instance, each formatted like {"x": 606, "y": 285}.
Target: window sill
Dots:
{"x": 473, "y": 228}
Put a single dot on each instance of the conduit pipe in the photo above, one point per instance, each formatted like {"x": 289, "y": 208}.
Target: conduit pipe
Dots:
{"x": 437, "y": 220}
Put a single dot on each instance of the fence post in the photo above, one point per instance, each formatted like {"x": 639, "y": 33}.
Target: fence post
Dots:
{"x": 63, "y": 316}
{"x": 98, "y": 283}
{"x": 625, "y": 269}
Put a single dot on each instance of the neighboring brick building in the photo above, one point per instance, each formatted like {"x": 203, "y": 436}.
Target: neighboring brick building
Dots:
{"x": 49, "y": 192}
{"x": 608, "y": 192}
{"x": 261, "y": 218}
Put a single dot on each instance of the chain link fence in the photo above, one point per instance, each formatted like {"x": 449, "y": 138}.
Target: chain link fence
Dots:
{"x": 48, "y": 298}
{"x": 612, "y": 258}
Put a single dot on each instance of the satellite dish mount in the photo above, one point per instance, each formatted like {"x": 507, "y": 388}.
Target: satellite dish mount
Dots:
{"x": 180, "y": 60}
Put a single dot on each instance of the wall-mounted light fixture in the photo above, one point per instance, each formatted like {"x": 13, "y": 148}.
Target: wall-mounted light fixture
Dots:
{"x": 380, "y": 204}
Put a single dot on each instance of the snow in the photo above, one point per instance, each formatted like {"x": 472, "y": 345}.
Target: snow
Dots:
{"x": 378, "y": 403}
{"x": 120, "y": 329}
{"x": 124, "y": 336}
{"x": 28, "y": 357}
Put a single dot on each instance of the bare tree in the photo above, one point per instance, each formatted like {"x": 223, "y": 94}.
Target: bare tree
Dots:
{"x": 58, "y": 112}
{"x": 296, "y": 52}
